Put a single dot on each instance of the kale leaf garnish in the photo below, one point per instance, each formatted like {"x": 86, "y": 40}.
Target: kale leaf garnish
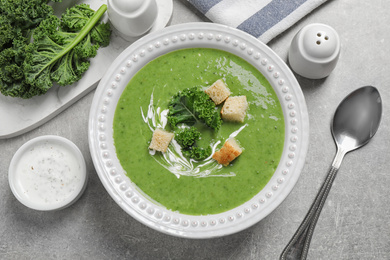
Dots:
{"x": 193, "y": 105}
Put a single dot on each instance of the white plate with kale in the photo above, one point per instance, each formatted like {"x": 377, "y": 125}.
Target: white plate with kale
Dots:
{"x": 22, "y": 115}
{"x": 199, "y": 130}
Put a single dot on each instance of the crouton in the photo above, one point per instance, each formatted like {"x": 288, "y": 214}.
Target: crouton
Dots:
{"x": 234, "y": 109}
{"x": 229, "y": 151}
{"x": 218, "y": 92}
{"x": 160, "y": 140}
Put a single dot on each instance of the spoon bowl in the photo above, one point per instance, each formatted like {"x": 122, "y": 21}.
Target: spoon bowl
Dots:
{"x": 357, "y": 117}
{"x": 355, "y": 122}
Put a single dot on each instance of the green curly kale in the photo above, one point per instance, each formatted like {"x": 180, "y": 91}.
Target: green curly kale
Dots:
{"x": 191, "y": 106}
{"x": 74, "y": 19}
{"x": 21, "y": 16}
{"x": 18, "y": 18}
{"x": 198, "y": 153}
{"x": 60, "y": 49}
{"x": 186, "y": 137}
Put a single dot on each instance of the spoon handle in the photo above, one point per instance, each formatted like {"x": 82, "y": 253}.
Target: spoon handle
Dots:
{"x": 298, "y": 246}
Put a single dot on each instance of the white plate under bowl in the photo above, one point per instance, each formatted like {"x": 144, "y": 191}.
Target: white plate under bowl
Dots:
{"x": 195, "y": 35}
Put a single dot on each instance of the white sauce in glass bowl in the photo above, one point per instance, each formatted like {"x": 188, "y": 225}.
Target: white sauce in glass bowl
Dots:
{"x": 47, "y": 173}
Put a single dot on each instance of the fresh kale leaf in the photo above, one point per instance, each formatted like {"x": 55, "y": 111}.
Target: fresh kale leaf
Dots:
{"x": 7, "y": 33}
{"x": 25, "y": 14}
{"x": 60, "y": 49}
{"x": 74, "y": 19}
{"x": 191, "y": 106}
{"x": 61, "y": 56}
{"x": 100, "y": 34}
{"x": 18, "y": 18}
{"x": 21, "y": 17}
{"x": 12, "y": 80}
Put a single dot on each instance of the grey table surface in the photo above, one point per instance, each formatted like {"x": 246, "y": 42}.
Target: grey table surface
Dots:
{"x": 354, "y": 224}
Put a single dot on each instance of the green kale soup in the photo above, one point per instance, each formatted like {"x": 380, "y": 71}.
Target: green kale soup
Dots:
{"x": 205, "y": 187}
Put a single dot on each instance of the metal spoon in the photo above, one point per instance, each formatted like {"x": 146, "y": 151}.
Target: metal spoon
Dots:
{"x": 355, "y": 122}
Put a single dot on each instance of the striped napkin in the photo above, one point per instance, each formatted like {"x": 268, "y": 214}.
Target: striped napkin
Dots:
{"x": 264, "y": 19}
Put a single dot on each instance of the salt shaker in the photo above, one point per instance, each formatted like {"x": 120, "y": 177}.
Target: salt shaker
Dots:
{"x": 314, "y": 51}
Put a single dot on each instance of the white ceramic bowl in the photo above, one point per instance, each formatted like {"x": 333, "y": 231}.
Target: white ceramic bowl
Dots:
{"x": 47, "y": 173}
{"x": 198, "y": 35}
